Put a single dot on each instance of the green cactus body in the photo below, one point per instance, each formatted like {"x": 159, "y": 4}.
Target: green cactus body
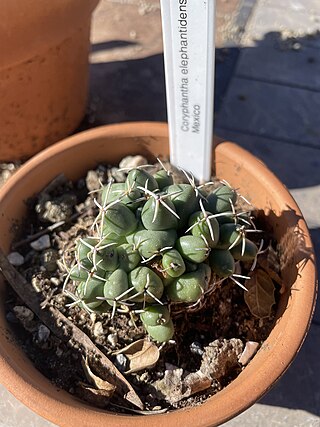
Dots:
{"x": 163, "y": 178}
{"x": 89, "y": 291}
{"x": 119, "y": 219}
{"x": 130, "y": 237}
{"x": 161, "y": 333}
{"x": 222, "y": 263}
{"x": 110, "y": 237}
{"x": 200, "y": 227}
{"x": 150, "y": 243}
{"x": 128, "y": 257}
{"x": 112, "y": 192}
{"x": 85, "y": 248}
{"x": 78, "y": 273}
{"x": 186, "y": 288}
{"x": 229, "y": 234}
{"x": 156, "y": 217}
{"x": 155, "y": 315}
{"x": 226, "y": 218}
{"x": 146, "y": 283}
{"x": 162, "y": 243}
{"x": 116, "y": 285}
{"x": 173, "y": 263}
{"x": 93, "y": 254}
{"x": 249, "y": 253}
{"x": 119, "y": 191}
{"x": 102, "y": 308}
{"x": 108, "y": 259}
{"x": 185, "y": 201}
{"x": 141, "y": 178}
{"x": 219, "y": 200}
{"x": 192, "y": 248}
{"x": 204, "y": 271}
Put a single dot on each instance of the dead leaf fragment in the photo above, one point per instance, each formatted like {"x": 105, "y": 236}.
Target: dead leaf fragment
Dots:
{"x": 142, "y": 354}
{"x": 98, "y": 382}
{"x": 99, "y": 398}
{"x": 260, "y": 295}
{"x": 269, "y": 262}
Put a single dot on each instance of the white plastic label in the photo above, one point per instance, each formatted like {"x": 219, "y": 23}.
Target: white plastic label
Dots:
{"x": 188, "y": 35}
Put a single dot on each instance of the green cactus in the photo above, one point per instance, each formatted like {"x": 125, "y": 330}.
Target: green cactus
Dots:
{"x": 157, "y": 244}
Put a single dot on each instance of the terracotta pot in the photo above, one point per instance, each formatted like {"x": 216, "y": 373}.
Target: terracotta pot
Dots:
{"x": 43, "y": 72}
{"x": 74, "y": 156}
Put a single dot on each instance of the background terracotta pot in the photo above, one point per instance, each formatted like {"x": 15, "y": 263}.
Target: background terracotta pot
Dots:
{"x": 109, "y": 144}
{"x": 43, "y": 72}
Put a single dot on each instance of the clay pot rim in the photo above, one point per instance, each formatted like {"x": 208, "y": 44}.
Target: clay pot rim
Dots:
{"x": 241, "y": 394}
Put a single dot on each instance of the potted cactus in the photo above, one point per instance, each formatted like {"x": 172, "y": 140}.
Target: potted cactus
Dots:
{"x": 147, "y": 252}
{"x": 157, "y": 244}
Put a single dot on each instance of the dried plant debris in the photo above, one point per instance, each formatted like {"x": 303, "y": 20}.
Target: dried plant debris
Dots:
{"x": 269, "y": 262}
{"x": 141, "y": 354}
{"x": 260, "y": 296}
{"x": 98, "y": 382}
{"x": 208, "y": 337}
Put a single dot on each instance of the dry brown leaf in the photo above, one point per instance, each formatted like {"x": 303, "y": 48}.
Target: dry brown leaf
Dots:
{"x": 142, "y": 354}
{"x": 99, "y": 398}
{"x": 269, "y": 262}
{"x": 54, "y": 320}
{"x": 98, "y": 382}
{"x": 260, "y": 295}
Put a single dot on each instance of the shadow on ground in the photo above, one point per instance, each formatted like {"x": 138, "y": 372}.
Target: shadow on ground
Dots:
{"x": 134, "y": 90}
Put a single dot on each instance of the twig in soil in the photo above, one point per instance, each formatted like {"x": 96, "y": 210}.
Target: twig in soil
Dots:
{"x": 66, "y": 331}
{"x": 48, "y": 229}
{"x": 39, "y": 234}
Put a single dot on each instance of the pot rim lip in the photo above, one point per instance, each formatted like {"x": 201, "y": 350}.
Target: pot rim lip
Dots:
{"x": 140, "y": 129}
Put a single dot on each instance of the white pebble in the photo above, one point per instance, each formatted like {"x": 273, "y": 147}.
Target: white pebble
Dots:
{"x": 132, "y": 162}
{"x": 15, "y": 259}
{"x": 98, "y": 329}
{"x": 112, "y": 339}
{"x": 42, "y": 243}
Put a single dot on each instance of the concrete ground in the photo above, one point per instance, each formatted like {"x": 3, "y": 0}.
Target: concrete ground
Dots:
{"x": 267, "y": 100}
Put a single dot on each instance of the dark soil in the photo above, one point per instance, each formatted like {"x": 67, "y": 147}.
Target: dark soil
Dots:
{"x": 224, "y": 317}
